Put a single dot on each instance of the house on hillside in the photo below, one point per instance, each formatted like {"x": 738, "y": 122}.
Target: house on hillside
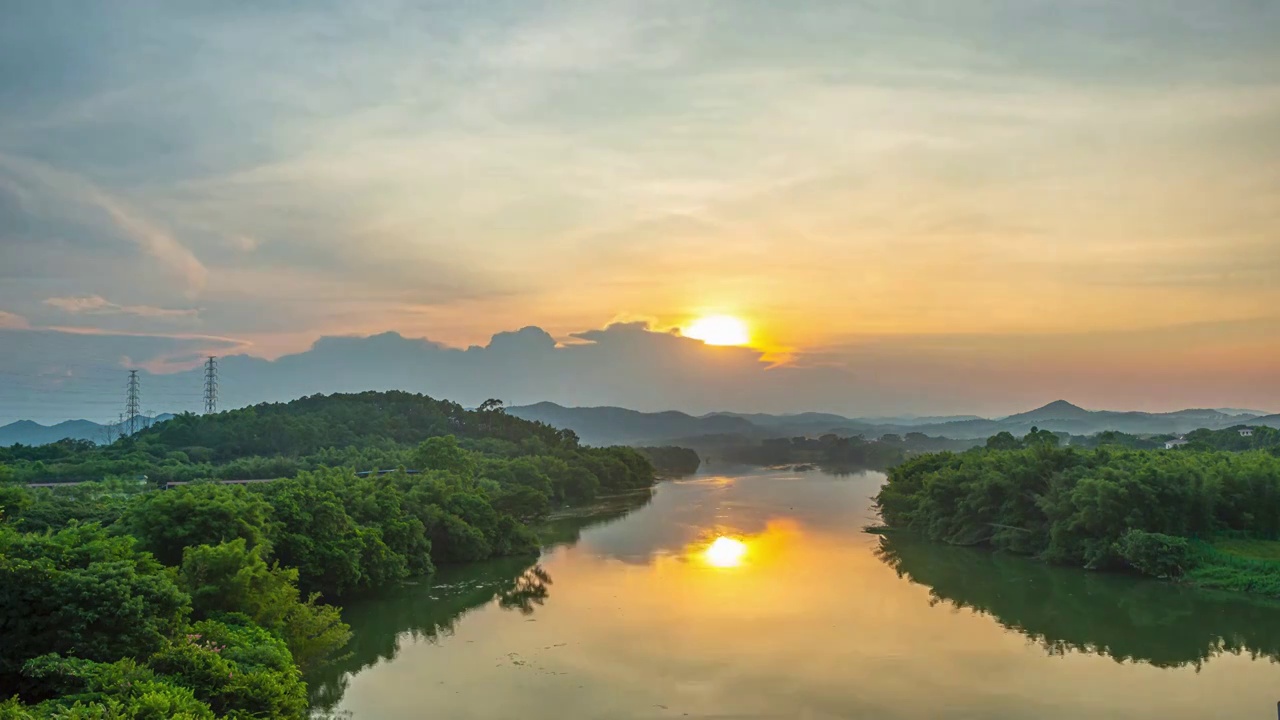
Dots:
{"x": 1246, "y": 432}
{"x": 1175, "y": 443}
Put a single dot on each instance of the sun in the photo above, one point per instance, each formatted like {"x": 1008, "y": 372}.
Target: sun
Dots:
{"x": 725, "y": 552}
{"x": 719, "y": 330}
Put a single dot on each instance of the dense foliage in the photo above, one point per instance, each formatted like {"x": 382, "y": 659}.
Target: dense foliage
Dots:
{"x": 671, "y": 460}
{"x": 1237, "y": 439}
{"x": 365, "y": 431}
{"x": 833, "y": 451}
{"x": 94, "y": 627}
{"x": 1107, "y": 508}
{"x": 120, "y": 599}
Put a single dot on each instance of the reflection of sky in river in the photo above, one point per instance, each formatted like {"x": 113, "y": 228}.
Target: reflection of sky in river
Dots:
{"x": 694, "y": 511}
{"x": 813, "y": 621}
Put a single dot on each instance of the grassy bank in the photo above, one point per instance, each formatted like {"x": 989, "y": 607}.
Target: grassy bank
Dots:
{"x": 1251, "y": 566}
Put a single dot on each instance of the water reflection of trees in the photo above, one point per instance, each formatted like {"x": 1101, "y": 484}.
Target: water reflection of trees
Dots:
{"x": 430, "y": 609}
{"x": 567, "y": 529}
{"x": 1061, "y": 609}
{"x": 530, "y": 589}
{"x": 427, "y": 611}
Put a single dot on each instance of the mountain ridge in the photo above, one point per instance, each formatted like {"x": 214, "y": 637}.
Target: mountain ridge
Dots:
{"x": 608, "y": 424}
{"x": 1058, "y": 416}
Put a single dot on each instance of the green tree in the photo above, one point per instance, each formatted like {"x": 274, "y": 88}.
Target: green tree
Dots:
{"x": 166, "y": 523}
{"x": 81, "y": 591}
{"x": 236, "y": 667}
{"x": 444, "y": 453}
{"x": 14, "y": 499}
{"x": 88, "y": 690}
{"x": 1003, "y": 440}
{"x": 230, "y": 578}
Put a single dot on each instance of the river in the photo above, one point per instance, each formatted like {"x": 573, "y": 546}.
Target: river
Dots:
{"x": 796, "y": 613}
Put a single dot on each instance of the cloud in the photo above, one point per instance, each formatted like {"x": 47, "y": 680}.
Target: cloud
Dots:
{"x": 866, "y": 169}
{"x": 65, "y": 198}
{"x": 632, "y": 365}
{"x": 243, "y": 243}
{"x": 10, "y": 321}
{"x": 98, "y": 305}
{"x": 155, "y": 241}
{"x": 53, "y": 374}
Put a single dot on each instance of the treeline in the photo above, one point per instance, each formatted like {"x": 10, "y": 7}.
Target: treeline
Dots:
{"x": 208, "y": 600}
{"x": 671, "y": 460}
{"x": 1259, "y": 438}
{"x": 365, "y": 431}
{"x": 834, "y": 451}
{"x": 269, "y": 439}
{"x": 1153, "y": 512}
{"x": 1230, "y": 439}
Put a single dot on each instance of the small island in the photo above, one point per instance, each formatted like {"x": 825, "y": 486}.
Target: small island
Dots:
{"x": 1202, "y": 513}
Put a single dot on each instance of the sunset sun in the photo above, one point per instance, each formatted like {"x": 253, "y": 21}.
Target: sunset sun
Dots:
{"x": 725, "y": 552}
{"x": 719, "y": 330}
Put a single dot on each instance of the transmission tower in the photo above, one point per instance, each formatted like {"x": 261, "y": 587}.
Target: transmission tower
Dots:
{"x": 132, "y": 403}
{"x": 211, "y": 385}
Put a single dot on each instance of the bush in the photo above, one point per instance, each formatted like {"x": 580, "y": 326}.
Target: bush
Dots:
{"x": 105, "y": 691}
{"x": 235, "y": 667}
{"x": 1155, "y": 554}
{"x": 81, "y": 590}
{"x": 229, "y": 578}
{"x": 203, "y": 514}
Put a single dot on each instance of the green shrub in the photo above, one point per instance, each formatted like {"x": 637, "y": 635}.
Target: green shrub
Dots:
{"x": 1155, "y": 554}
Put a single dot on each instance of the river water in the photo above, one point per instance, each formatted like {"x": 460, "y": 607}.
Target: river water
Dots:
{"x": 647, "y": 613}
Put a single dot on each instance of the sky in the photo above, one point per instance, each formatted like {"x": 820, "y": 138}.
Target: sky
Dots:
{"x": 917, "y": 206}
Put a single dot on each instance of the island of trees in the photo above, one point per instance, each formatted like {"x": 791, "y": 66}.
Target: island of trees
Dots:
{"x": 205, "y": 600}
{"x": 1204, "y": 513}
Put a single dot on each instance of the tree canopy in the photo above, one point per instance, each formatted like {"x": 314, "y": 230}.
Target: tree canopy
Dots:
{"x": 119, "y": 598}
{"x": 1153, "y": 512}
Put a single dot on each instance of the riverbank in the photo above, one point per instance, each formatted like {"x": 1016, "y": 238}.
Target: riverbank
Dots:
{"x": 1205, "y": 518}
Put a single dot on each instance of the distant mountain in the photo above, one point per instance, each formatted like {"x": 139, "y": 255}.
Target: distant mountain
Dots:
{"x": 798, "y": 419}
{"x": 608, "y": 425}
{"x": 26, "y": 432}
{"x": 818, "y": 422}
{"x": 1056, "y": 410}
{"x": 613, "y": 426}
{"x": 914, "y": 421}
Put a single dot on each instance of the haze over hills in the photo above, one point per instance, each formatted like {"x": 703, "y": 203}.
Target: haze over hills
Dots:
{"x": 26, "y": 432}
{"x": 627, "y": 365}
{"x": 614, "y": 425}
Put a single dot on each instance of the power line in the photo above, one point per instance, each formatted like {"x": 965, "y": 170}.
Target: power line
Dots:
{"x": 211, "y": 385}
{"x": 133, "y": 402}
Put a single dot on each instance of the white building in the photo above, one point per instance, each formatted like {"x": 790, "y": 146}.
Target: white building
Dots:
{"x": 1246, "y": 432}
{"x": 1174, "y": 444}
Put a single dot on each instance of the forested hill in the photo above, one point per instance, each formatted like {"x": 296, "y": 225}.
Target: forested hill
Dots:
{"x": 620, "y": 426}
{"x": 204, "y": 600}
{"x": 366, "y": 431}
{"x": 371, "y": 419}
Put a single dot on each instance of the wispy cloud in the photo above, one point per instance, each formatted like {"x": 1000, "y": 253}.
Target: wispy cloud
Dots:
{"x": 68, "y": 192}
{"x": 98, "y": 305}
{"x": 827, "y": 168}
{"x": 10, "y": 321}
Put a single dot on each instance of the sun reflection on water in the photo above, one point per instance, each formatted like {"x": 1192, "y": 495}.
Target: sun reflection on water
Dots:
{"x": 725, "y": 552}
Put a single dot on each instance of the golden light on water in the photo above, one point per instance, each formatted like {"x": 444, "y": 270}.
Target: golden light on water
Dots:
{"x": 719, "y": 330}
{"x": 725, "y": 552}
